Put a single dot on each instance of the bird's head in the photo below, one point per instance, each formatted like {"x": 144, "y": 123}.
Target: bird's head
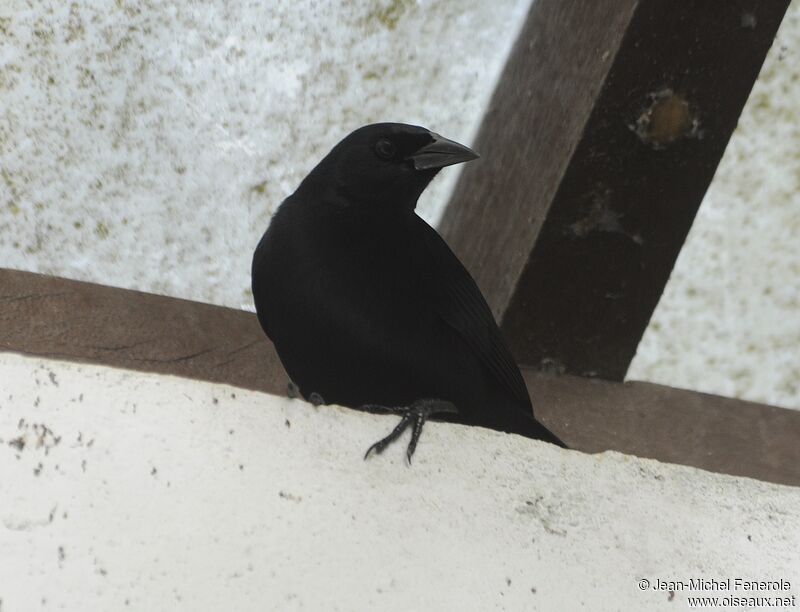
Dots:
{"x": 385, "y": 165}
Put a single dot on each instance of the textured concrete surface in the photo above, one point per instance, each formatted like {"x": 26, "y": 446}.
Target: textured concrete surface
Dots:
{"x": 123, "y": 490}
{"x": 145, "y": 145}
{"x": 729, "y": 319}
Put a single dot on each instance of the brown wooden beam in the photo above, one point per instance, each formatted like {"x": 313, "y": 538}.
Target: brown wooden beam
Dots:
{"x": 600, "y": 141}
{"x": 717, "y": 434}
{"x": 64, "y": 319}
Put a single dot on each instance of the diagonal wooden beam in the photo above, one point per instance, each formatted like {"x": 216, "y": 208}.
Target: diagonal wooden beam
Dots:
{"x": 600, "y": 141}
{"x": 64, "y": 319}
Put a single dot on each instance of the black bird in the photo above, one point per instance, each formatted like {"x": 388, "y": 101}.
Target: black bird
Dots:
{"x": 366, "y": 304}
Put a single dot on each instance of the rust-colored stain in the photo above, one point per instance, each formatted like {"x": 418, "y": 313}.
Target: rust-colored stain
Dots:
{"x": 667, "y": 119}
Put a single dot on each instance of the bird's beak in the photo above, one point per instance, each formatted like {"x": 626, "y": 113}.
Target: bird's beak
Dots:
{"x": 440, "y": 153}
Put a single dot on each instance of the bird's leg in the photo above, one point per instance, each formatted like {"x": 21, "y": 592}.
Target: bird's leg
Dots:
{"x": 292, "y": 390}
{"x": 414, "y": 415}
{"x": 316, "y": 399}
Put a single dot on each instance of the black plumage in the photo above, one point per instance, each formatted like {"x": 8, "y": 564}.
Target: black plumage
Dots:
{"x": 366, "y": 304}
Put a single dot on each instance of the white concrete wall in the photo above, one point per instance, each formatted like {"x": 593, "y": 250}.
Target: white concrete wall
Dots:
{"x": 146, "y": 144}
{"x": 148, "y": 492}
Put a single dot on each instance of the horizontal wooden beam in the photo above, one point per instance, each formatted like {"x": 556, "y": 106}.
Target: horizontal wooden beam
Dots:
{"x": 64, "y": 319}
{"x": 711, "y": 432}
{"x": 600, "y": 141}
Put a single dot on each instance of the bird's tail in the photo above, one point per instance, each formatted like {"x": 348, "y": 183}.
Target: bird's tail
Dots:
{"x": 526, "y": 425}
{"x": 540, "y": 432}
{"x": 510, "y": 419}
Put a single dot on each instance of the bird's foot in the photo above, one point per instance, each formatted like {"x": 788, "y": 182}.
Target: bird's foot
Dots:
{"x": 293, "y": 391}
{"x": 415, "y": 416}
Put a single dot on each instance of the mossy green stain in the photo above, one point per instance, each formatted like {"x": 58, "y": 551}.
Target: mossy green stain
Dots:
{"x": 375, "y": 73}
{"x": 101, "y": 229}
{"x": 13, "y": 203}
{"x": 389, "y": 15}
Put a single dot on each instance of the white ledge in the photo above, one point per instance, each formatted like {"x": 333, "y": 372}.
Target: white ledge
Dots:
{"x": 164, "y": 494}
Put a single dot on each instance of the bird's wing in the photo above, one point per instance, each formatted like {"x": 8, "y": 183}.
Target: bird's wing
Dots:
{"x": 459, "y": 302}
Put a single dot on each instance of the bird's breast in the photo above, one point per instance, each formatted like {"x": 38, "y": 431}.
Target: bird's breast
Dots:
{"x": 331, "y": 276}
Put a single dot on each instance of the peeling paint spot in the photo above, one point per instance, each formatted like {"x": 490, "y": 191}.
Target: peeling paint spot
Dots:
{"x": 601, "y": 217}
{"x": 552, "y": 366}
{"x": 749, "y": 20}
{"x": 545, "y": 513}
{"x": 666, "y": 119}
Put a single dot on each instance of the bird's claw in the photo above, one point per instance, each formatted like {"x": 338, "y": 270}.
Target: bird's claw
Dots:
{"x": 415, "y": 416}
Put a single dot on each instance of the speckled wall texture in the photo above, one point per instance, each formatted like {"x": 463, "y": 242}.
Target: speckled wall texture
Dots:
{"x": 146, "y": 145}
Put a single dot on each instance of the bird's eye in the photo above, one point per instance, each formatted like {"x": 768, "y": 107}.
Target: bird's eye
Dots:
{"x": 385, "y": 149}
